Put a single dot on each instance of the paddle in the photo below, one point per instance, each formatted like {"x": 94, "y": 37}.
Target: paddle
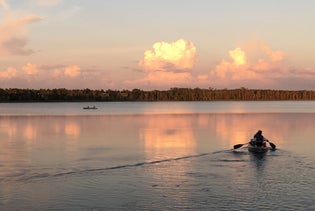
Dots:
{"x": 236, "y": 146}
{"x": 273, "y": 146}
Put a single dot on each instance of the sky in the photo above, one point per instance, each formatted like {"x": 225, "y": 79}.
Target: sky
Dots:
{"x": 147, "y": 44}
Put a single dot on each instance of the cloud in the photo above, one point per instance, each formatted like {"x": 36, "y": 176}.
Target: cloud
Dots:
{"x": 28, "y": 19}
{"x": 167, "y": 65}
{"x": 57, "y": 71}
{"x": 12, "y": 37}
{"x": 9, "y": 73}
{"x": 274, "y": 56}
{"x": 4, "y": 5}
{"x": 257, "y": 65}
{"x": 31, "y": 69}
{"x": 266, "y": 62}
{"x": 32, "y": 75}
{"x": 17, "y": 46}
{"x": 72, "y": 71}
{"x": 238, "y": 56}
{"x": 162, "y": 80}
{"x": 43, "y": 71}
{"x": 179, "y": 55}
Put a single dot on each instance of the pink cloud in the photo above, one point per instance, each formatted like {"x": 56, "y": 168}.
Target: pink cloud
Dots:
{"x": 238, "y": 56}
{"x": 31, "y": 69}
{"x": 13, "y": 35}
{"x": 9, "y": 73}
{"x": 165, "y": 56}
{"x": 55, "y": 71}
{"x": 274, "y": 56}
{"x": 256, "y": 66}
{"x": 240, "y": 68}
{"x": 161, "y": 80}
{"x": 263, "y": 67}
{"x": 167, "y": 65}
{"x": 72, "y": 71}
{"x": 40, "y": 76}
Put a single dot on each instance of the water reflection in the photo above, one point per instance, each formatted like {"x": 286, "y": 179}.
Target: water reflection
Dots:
{"x": 30, "y": 132}
{"x": 72, "y": 129}
{"x": 235, "y": 129}
{"x": 7, "y": 129}
{"x": 146, "y": 137}
{"x": 168, "y": 136}
{"x": 89, "y": 146}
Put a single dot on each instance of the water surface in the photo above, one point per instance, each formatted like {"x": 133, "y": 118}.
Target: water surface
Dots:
{"x": 122, "y": 108}
{"x": 156, "y": 156}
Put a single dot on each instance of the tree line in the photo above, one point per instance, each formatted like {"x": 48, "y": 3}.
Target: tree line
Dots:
{"x": 173, "y": 94}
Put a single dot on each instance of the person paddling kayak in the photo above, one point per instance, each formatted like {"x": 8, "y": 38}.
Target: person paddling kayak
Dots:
{"x": 258, "y": 140}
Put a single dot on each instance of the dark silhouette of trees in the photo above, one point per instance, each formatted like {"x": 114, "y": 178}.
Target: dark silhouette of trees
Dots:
{"x": 173, "y": 94}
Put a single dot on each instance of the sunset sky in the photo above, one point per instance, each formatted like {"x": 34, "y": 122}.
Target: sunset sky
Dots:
{"x": 146, "y": 44}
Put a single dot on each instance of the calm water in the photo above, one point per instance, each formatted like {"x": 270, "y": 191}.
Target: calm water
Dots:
{"x": 156, "y": 156}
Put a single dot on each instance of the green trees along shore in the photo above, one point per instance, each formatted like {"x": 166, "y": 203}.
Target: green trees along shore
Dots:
{"x": 173, "y": 94}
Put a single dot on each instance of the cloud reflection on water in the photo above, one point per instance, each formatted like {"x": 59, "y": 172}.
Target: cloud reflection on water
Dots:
{"x": 167, "y": 136}
{"x": 72, "y": 129}
{"x": 112, "y": 140}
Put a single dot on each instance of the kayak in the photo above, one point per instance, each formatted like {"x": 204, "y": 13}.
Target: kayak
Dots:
{"x": 256, "y": 149}
{"x": 89, "y": 107}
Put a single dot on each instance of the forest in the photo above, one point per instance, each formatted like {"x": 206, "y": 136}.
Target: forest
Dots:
{"x": 173, "y": 94}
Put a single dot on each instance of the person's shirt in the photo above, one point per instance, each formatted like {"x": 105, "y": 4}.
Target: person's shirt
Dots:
{"x": 259, "y": 137}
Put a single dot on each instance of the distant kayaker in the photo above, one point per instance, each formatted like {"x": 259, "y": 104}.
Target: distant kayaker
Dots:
{"x": 259, "y": 139}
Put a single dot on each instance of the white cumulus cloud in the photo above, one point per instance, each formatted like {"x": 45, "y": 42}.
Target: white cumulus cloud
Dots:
{"x": 179, "y": 55}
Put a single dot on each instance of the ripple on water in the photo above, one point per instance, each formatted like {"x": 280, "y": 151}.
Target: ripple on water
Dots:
{"x": 209, "y": 181}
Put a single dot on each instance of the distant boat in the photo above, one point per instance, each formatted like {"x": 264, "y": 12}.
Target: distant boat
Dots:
{"x": 88, "y": 107}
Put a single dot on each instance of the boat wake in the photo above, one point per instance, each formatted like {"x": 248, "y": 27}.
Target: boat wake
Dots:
{"x": 42, "y": 174}
{"x": 28, "y": 176}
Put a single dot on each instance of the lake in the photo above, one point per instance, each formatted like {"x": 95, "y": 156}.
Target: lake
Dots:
{"x": 156, "y": 156}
